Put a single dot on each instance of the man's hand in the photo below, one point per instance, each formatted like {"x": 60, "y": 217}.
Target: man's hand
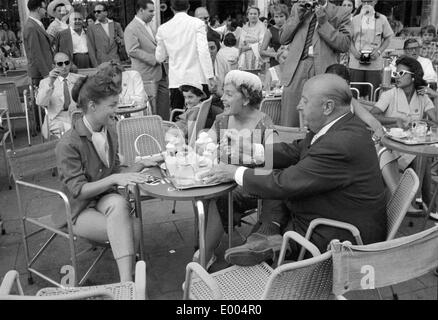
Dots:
{"x": 211, "y": 84}
{"x": 53, "y": 75}
{"x": 301, "y": 11}
{"x": 321, "y": 15}
{"x": 219, "y": 174}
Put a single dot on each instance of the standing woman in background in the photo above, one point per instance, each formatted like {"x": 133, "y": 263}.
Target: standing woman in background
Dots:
{"x": 251, "y": 40}
{"x": 272, "y": 35}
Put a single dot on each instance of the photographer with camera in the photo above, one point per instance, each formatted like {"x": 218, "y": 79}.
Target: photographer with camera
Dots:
{"x": 316, "y": 32}
{"x": 371, "y": 36}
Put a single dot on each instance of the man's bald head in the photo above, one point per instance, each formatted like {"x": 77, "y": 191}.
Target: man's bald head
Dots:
{"x": 60, "y": 56}
{"x": 325, "y": 98}
{"x": 202, "y": 13}
{"x": 329, "y": 87}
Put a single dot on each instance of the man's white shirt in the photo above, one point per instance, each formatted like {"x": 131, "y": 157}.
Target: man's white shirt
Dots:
{"x": 79, "y": 41}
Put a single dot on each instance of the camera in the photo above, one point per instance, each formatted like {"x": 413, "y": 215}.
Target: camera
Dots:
{"x": 310, "y": 5}
{"x": 365, "y": 57}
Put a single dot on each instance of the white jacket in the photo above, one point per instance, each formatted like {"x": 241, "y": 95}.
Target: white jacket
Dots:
{"x": 183, "y": 40}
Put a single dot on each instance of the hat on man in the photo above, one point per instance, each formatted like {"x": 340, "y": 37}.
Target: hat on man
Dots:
{"x": 55, "y": 3}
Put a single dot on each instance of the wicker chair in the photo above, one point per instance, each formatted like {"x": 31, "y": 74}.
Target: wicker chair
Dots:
{"x": 200, "y": 121}
{"x": 302, "y": 280}
{"x": 26, "y": 163}
{"x": 272, "y": 107}
{"x": 17, "y": 110}
{"x": 117, "y": 291}
{"x": 365, "y": 84}
{"x": 378, "y": 265}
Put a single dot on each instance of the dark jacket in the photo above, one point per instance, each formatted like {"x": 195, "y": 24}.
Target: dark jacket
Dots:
{"x": 338, "y": 177}
{"x": 38, "y": 50}
{"x": 78, "y": 163}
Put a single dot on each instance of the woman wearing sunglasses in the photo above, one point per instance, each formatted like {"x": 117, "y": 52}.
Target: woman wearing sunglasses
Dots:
{"x": 398, "y": 107}
{"x": 90, "y": 171}
{"x": 401, "y": 105}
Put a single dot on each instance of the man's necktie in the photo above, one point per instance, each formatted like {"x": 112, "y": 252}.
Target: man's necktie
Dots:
{"x": 309, "y": 37}
{"x": 67, "y": 98}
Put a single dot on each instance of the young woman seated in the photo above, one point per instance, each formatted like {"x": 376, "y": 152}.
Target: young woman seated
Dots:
{"x": 90, "y": 170}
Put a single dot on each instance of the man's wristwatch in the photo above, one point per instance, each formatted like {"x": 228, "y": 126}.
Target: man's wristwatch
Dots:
{"x": 376, "y": 138}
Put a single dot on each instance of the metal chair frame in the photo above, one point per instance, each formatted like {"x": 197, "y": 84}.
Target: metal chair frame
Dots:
{"x": 370, "y": 85}
{"x": 272, "y": 107}
{"x": 295, "y": 280}
{"x": 118, "y": 291}
{"x": 43, "y": 158}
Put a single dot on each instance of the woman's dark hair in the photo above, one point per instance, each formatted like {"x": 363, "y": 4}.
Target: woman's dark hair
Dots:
{"x": 93, "y": 88}
{"x": 354, "y": 6}
{"x": 180, "y": 5}
{"x": 192, "y": 89}
{"x": 230, "y": 40}
{"x": 91, "y": 16}
{"x": 415, "y": 67}
{"x": 340, "y": 70}
{"x": 215, "y": 40}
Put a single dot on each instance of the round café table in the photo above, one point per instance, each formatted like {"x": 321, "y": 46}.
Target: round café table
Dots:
{"x": 423, "y": 152}
{"x": 164, "y": 190}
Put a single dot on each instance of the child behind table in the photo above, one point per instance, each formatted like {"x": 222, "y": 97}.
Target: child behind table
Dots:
{"x": 429, "y": 44}
{"x": 193, "y": 96}
{"x": 229, "y": 51}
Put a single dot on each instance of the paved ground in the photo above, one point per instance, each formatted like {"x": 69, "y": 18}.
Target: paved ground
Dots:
{"x": 169, "y": 240}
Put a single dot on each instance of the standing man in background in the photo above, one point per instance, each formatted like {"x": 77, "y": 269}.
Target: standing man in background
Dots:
{"x": 141, "y": 45}
{"x": 315, "y": 37}
{"x": 183, "y": 40}
{"x": 104, "y": 37}
{"x": 58, "y": 10}
{"x": 37, "y": 43}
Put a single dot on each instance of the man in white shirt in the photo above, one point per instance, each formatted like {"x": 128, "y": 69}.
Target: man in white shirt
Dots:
{"x": 332, "y": 173}
{"x": 183, "y": 40}
{"x": 54, "y": 93}
{"x": 73, "y": 42}
{"x": 412, "y": 49}
{"x": 105, "y": 37}
{"x": 58, "y": 10}
{"x": 140, "y": 46}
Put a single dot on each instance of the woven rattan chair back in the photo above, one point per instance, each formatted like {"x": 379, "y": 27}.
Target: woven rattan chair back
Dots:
{"x": 272, "y": 107}
{"x": 398, "y": 205}
{"x": 15, "y": 107}
{"x": 130, "y": 128}
{"x": 32, "y": 160}
{"x": 309, "y": 279}
{"x": 201, "y": 119}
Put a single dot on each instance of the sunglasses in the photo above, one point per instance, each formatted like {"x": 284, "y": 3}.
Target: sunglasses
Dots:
{"x": 61, "y": 63}
{"x": 98, "y": 11}
{"x": 400, "y": 74}
{"x": 205, "y": 18}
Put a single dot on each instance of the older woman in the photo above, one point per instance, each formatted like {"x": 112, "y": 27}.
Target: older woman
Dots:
{"x": 250, "y": 41}
{"x": 242, "y": 97}
{"x": 90, "y": 171}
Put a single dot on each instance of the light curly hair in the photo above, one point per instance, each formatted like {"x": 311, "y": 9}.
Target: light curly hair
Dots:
{"x": 246, "y": 83}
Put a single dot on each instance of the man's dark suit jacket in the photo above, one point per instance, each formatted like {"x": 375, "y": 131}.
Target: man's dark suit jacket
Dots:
{"x": 64, "y": 43}
{"x": 38, "y": 51}
{"x": 338, "y": 177}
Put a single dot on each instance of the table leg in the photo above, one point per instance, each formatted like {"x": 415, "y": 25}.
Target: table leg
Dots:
{"x": 200, "y": 212}
{"x": 230, "y": 219}
{"x": 139, "y": 214}
{"x": 429, "y": 207}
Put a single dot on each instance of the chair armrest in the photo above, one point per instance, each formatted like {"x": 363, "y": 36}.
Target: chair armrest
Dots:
{"x": 331, "y": 223}
{"x": 61, "y": 194}
{"x": 204, "y": 276}
{"x": 11, "y": 278}
{"x": 140, "y": 280}
{"x": 70, "y": 296}
{"x": 172, "y": 113}
{"x": 292, "y": 235}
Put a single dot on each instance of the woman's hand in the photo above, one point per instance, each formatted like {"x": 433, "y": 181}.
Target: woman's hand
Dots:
{"x": 128, "y": 179}
{"x": 404, "y": 122}
{"x": 147, "y": 163}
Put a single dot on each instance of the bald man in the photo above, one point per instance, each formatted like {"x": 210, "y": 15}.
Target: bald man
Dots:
{"x": 202, "y": 13}
{"x": 54, "y": 93}
{"x": 332, "y": 173}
